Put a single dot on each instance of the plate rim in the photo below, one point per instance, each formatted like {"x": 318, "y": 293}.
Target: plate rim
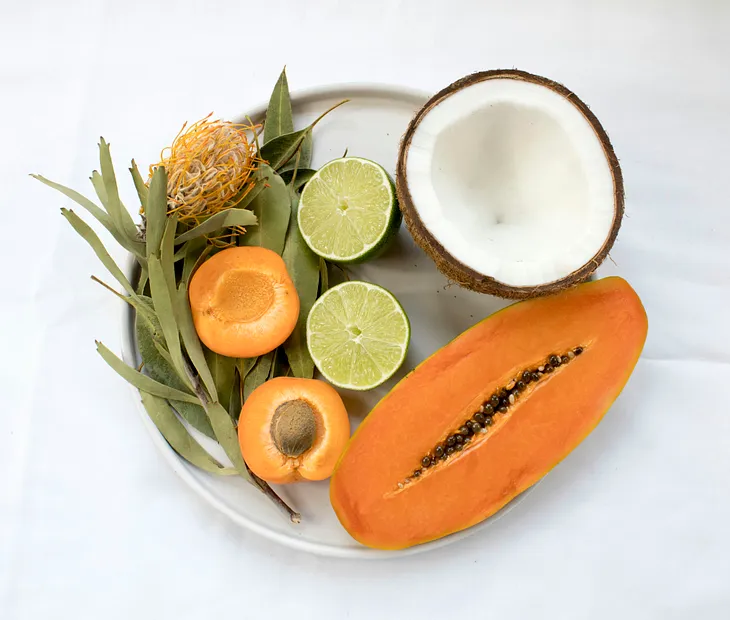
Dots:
{"x": 128, "y": 346}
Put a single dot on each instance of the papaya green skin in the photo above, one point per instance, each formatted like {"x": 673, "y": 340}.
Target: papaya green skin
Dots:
{"x": 605, "y": 316}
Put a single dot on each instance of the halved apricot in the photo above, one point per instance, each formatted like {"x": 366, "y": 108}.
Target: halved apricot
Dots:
{"x": 293, "y": 429}
{"x": 243, "y": 302}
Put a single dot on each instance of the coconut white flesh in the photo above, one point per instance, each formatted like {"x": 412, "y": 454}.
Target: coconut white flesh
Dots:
{"x": 512, "y": 181}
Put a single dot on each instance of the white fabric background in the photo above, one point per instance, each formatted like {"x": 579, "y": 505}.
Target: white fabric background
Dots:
{"x": 635, "y": 524}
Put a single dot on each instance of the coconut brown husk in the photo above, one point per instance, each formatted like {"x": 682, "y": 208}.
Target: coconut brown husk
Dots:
{"x": 456, "y": 270}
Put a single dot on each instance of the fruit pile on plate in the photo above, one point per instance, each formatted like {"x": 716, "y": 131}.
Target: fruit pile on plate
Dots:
{"x": 505, "y": 179}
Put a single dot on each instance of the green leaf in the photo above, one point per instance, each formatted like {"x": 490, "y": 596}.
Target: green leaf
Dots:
{"x": 223, "y": 371}
{"x": 279, "y": 118}
{"x": 305, "y": 159}
{"x": 178, "y": 437}
{"x": 227, "y": 436}
{"x": 304, "y": 270}
{"x": 119, "y": 214}
{"x": 193, "y": 259}
{"x": 163, "y": 303}
{"x": 258, "y": 374}
{"x": 167, "y": 254}
{"x": 247, "y": 194}
{"x": 324, "y": 279}
{"x": 139, "y": 184}
{"x": 190, "y": 247}
{"x": 222, "y": 219}
{"x": 101, "y": 216}
{"x": 98, "y": 182}
{"x": 303, "y": 175}
{"x": 245, "y": 365}
{"x": 140, "y": 381}
{"x": 235, "y": 401}
{"x": 191, "y": 340}
{"x": 156, "y": 211}
{"x": 305, "y": 156}
{"x": 272, "y": 208}
{"x": 281, "y": 149}
{"x": 93, "y": 240}
{"x": 149, "y": 341}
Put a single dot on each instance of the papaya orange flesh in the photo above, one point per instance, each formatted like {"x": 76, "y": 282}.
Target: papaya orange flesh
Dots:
{"x": 375, "y": 492}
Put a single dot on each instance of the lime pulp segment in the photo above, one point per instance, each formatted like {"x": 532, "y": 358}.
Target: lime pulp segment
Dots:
{"x": 347, "y": 209}
{"x": 358, "y": 335}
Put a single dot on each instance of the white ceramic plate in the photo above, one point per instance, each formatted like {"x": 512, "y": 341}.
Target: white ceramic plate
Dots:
{"x": 370, "y": 126}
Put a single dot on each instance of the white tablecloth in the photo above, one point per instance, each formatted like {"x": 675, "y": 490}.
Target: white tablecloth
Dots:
{"x": 634, "y": 524}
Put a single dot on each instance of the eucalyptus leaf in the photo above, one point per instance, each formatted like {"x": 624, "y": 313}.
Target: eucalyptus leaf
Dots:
{"x": 178, "y": 436}
{"x": 304, "y": 270}
{"x": 139, "y": 184}
{"x": 136, "y": 247}
{"x": 235, "y": 401}
{"x": 167, "y": 254}
{"x": 223, "y": 371}
{"x": 247, "y": 194}
{"x": 272, "y": 208}
{"x": 156, "y": 210}
{"x": 141, "y": 381}
{"x": 303, "y": 175}
{"x": 161, "y": 370}
{"x": 281, "y": 149}
{"x": 98, "y": 182}
{"x": 163, "y": 303}
{"x": 305, "y": 155}
{"x": 193, "y": 259}
{"x": 324, "y": 279}
{"x": 119, "y": 214}
{"x": 93, "y": 240}
{"x": 190, "y": 247}
{"x": 245, "y": 365}
{"x": 258, "y": 374}
{"x": 227, "y": 436}
{"x": 279, "y": 118}
{"x": 222, "y": 219}
{"x": 191, "y": 340}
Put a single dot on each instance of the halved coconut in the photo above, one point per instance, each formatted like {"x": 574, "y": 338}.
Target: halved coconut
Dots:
{"x": 509, "y": 182}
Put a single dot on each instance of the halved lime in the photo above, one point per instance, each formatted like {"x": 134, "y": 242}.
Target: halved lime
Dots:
{"x": 348, "y": 210}
{"x": 357, "y": 335}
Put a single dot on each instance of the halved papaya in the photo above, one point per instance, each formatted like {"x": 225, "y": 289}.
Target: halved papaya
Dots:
{"x": 488, "y": 415}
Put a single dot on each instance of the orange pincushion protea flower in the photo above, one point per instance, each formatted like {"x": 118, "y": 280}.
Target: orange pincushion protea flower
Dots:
{"x": 209, "y": 167}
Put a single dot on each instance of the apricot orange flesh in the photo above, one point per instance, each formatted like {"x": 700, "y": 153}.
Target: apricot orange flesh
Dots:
{"x": 395, "y": 487}
{"x": 243, "y": 302}
{"x": 293, "y": 429}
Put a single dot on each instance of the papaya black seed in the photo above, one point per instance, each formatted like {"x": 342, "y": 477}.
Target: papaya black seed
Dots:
{"x": 549, "y": 368}
{"x": 488, "y": 410}
{"x": 504, "y": 403}
{"x": 465, "y": 430}
{"x": 489, "y": 421}
{"x": 527, "y": 376}
{"x": 578, "y": 350}
{"x": 450, "y": 441}
{"x": 459, "y": 439}
{"x": 467, "y": 439}
{"x": 503, "y": 410}
{"x": 521, "y": 385}
{"x": 565, "y": 359}
{"x": 459, "y": 446}
{"x": 439, "y": 451}
{"x": 426, "y": 461}
{"x": 449, "y": 450}
{"x": 554, "y": 360}
{"x": 535, "y": 376}
{"x": 494, "y": 401}
{"x": 479, "y": 418}
{"x": 416, "y": 473}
